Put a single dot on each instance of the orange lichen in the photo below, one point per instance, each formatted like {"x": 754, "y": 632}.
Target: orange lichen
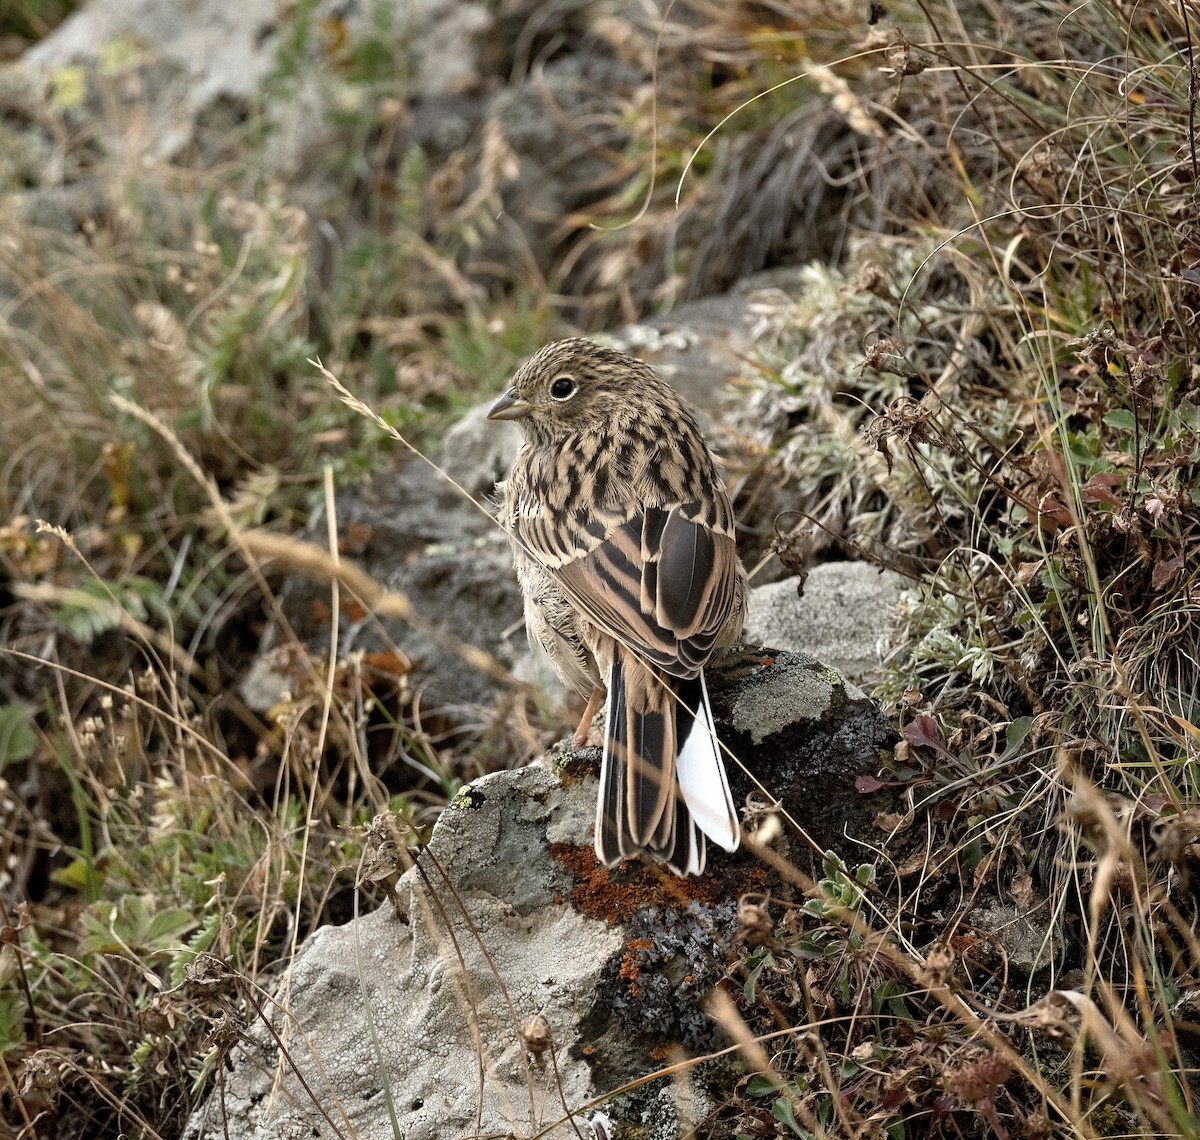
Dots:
{"x": 387, "y": 665}
{"x": 355, "y": 536}
{"x": 631, "y": 966}
{"x": 614, "y": 894}
{"x": 965, "y": 945}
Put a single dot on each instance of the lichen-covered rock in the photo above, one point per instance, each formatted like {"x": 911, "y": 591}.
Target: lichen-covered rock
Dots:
{"x": 421, "y": 1017}
{"x": 510, "y": 916}
{"x": 805, "y": 734}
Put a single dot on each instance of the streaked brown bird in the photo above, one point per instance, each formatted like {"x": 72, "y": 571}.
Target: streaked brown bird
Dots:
{"x": 622, "y": 534}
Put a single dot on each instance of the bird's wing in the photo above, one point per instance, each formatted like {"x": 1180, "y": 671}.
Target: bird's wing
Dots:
{"x": 663, "y": 582}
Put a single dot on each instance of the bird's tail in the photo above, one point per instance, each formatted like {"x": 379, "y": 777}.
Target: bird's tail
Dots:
{"x": 662, "y": 782}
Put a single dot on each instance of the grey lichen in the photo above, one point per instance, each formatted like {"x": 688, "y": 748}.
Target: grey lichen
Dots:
{"x": 765, "y": 709}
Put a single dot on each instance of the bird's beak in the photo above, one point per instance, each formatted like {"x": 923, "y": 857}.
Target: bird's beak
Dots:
{"x": 509, "y": 407}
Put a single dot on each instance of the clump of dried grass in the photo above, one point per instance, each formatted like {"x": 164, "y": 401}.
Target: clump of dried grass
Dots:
{"x": 1007, "y": 408}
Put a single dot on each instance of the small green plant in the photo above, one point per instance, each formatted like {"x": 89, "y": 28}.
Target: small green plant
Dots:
{"x": 842, "y": 891}
{"x": 134, "y": 926}
{"x": 783, "y": 1102}
{"x": 17, "y": 738}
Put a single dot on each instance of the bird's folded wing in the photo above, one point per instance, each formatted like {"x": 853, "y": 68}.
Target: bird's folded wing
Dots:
{"x": 663, "y": 582}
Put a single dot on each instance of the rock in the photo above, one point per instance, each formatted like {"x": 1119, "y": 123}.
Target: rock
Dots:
{"x": 213, "y": 50}
{"x": 383, "y": 1012}
{"x": 703, "y": 343}
{"x": 843, "y": 617}
{"x": 513, "y": 918}
{"x": 805, "y": 733}
{"x": 225, "y": 49}
{"x": 1022, "y": 944}
{"x": 477, "y": 452}
{"x": 419, "y": 536}
{"x": 231, "y": 49}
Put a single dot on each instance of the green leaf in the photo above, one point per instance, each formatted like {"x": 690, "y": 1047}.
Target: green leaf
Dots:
{"x": 132, "y": 925}
{"x": 1054, "y": 578}
{"x": 94, "y": 607}
{"x": 783, "y": 1112}
{"x": 80, "y": 874}
{"x": 842, "y": 984}
{"x": 832, "y": 863}
{"x": 1080, "y": 449}
{"x": 167, "y": 928}
{"x": 197, "y": 944}
{"x": 12, "y": 1012}
{"x": 1121, "y": 420}
{"x": 98, "y": 939}
{"x": 1016, "y": 733}
{"x": 88, "y": 611}
{"x": 756, "y": 963}
{"x": 760, "y": 1086}
{"x": 17, "y": 738}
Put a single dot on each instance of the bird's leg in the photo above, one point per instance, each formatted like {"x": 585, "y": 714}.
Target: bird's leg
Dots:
{"x": 585, "y": 721}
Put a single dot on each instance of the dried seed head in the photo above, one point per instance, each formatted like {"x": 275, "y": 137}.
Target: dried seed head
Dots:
{"x": 535, "y": 1036}
{"x": 209, "y": 977}
{"x": 1057, "y": 1015}
{"x": 223, "y": 1034}
{"x": 903, "y": 58}
{"x": 44, "y": 1073}
{"x": 159, "y": 1016}
{"x": 977, "y": 1080}
{"x": 937, "y": 971}
{"x": 873, "y": 278}
{"x": 754, "y": 921}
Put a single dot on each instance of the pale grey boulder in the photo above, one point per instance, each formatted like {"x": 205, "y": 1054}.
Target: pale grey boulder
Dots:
{"x": 843, "y": 618}
{"x": 422, "y": 1017}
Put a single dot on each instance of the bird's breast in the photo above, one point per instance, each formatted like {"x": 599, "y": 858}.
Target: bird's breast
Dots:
{"x": 575, "y": 477}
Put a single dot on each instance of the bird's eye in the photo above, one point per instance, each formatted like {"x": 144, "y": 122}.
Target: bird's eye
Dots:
{"x": 563, "y": 388}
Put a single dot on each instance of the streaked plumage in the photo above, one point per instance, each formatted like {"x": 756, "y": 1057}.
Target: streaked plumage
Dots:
{"x": 622, "y": 534}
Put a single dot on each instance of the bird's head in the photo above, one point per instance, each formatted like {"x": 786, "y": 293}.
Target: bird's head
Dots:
{"x": 575, "y": 386}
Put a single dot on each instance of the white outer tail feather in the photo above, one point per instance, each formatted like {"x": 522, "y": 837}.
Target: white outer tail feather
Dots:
{"x": 701, "y": 774}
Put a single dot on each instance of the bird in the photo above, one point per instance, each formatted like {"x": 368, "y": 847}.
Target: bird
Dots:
{"x": 623, "y": 541}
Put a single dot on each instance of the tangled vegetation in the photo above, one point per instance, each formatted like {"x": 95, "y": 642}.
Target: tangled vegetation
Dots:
{"x": 986, "y": 376}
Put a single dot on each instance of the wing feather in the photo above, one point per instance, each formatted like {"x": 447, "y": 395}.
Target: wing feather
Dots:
{"x": 661, "y": 583}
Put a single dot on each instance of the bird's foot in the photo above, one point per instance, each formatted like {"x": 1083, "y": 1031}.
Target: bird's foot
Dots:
{"x": 580, "y": 738}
